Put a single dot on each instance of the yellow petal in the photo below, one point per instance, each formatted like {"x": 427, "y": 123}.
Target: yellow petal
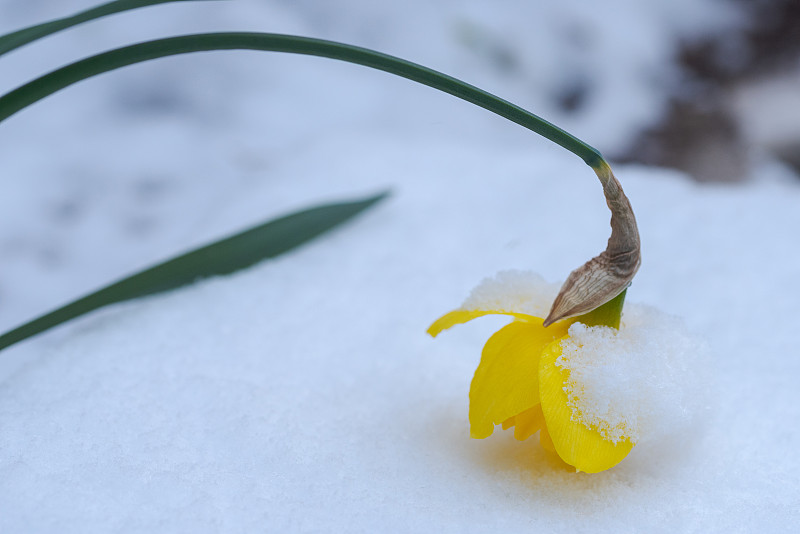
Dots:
{"x": 508, "y": 423}
{"x": 506, "y": 381}
{"x": 546, "y": 441}
{"x": 462, "y": 316}
{"x": 577, "y": 444}
{"x": 528, "y": 423}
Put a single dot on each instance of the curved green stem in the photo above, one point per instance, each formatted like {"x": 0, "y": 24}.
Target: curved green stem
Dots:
{"x": 48, "y": 84}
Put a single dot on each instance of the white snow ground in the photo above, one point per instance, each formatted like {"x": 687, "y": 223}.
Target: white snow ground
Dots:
{"x": 303, "y": 394}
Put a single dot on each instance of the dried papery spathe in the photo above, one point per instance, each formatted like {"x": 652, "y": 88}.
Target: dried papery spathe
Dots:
{"x": 605, "y": 276}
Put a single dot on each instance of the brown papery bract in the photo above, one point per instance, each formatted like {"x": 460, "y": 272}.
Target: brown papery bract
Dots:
{"x": 605, "y": 276}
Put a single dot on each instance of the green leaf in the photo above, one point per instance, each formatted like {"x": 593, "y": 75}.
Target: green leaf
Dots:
{"x": 221, "y": 257}
{"x": 14, "y": 40}
{"x": 48, "y": 84}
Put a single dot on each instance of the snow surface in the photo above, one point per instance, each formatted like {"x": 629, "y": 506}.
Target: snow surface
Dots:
{"x": 302, "y": 394}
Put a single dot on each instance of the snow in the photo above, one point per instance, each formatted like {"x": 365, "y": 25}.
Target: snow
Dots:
{"x": 513, "y": 291}
{"x": 647, "y": 381}
{"x": 303, "y": 394}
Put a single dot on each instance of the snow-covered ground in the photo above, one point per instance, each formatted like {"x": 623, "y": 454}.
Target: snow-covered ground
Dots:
{"x": 303, "y": 394}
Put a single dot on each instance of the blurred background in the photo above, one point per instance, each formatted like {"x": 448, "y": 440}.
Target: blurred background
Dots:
{"x": 121, "y": 171}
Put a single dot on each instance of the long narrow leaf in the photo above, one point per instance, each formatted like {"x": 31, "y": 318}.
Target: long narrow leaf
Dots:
{"x": 221, "y": 257}
{"x": 24, "y": 36}
{"x": 48, "y": 84}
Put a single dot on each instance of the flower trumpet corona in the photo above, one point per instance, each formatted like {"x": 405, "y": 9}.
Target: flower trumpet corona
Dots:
{"x": 522, "y": 381}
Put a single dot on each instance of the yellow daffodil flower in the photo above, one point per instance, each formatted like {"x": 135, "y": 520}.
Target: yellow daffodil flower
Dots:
{"x": 522, "y": 381}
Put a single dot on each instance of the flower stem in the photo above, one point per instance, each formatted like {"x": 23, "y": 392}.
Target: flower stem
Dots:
{"x": 48, "y": 84}
{"x": 609, "y": 314}
{"x": 589, "y": 287}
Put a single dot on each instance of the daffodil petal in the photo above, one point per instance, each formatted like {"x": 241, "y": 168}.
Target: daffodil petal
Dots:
{"x": 455, "y": 317}
{"x": 577, "y": 444}
{"x": 506, "y": 381}
{"x": 546, "y": 441}
{"x": 528, "y": 423}
{"x": 508, "y": 423}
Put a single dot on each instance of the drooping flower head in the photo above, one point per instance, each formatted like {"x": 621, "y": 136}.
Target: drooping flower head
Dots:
{"x": 583, "y": 385}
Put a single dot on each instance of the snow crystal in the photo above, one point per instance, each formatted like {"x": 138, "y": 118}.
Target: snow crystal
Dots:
{"x": 515, "y": 290}
{"x": 645, "y": 381}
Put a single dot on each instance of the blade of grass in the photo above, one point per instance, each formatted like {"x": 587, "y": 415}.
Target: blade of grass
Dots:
{"x": 16, "y": 39}
{"x": 48, "y": 84}
{"x": 221, "y": 257}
